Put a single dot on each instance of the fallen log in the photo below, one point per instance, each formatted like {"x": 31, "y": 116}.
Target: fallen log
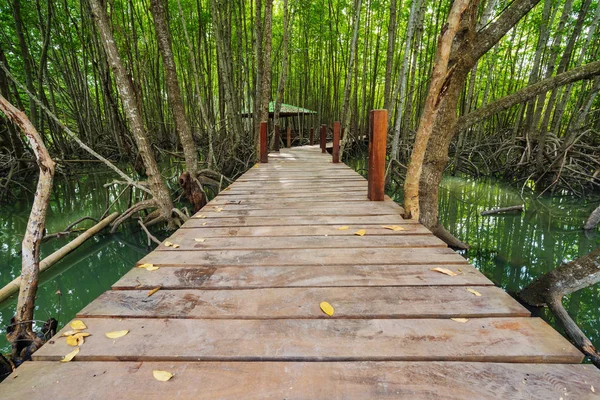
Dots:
{"x": 13, "y": 286}
{"x": 549, "y": 289}
{"x": 494, "y": 211}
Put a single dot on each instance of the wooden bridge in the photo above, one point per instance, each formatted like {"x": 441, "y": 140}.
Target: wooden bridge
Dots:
{"x": 238, "y": 315}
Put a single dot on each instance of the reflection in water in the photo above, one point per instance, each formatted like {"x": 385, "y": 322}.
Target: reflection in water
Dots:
{"x": 513, "y": 249}
{"x": 84, "y": 274}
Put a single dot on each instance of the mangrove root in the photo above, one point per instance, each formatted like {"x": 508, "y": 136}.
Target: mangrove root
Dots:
{"x": 550, "y": 288}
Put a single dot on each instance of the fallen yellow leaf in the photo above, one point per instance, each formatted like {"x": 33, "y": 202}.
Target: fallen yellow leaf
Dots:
{"x": 162, "y": 376}
{"x": 70, "y": 356}
{"x": 219, "y": 209}
{"x": 204, "y": 223}
{"x": 69, "y": 333}
{"x": 342, "y": 228}
{"x": 146, "y": 265}
{"x": 444, "y": 271}
{"x": 360, "y": 232}
{"x": 393, "y": 227}
{"x": 116, "y": 334}
{"x": 475, "y": 292}
{"x": 156, "y": 289}
{"x": 592, "y": 389}
{"x": 151, "y": 268}
{"x": 167, "y": 243}
{"x": 326, "y": 308}
{"x": 201, "y": 216}
{"x": 200, "y": 240}
{"x": 77, "y": 324}
{"x": 175, "y": 246}
{"x": 72, "y": 340}
{"x": 462, "y": 320}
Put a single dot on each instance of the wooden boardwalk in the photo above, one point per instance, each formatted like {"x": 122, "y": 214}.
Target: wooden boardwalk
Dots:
{"x": 237, "y": 315}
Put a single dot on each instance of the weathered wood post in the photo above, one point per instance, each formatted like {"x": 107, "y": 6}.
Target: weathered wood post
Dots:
{"x": 323, "y": 138}
{"x": 336, "y": 142}
{"x": 311, "y": 136}
{"x": 377, "y": 151}
{"x": 277, "y": 138}
{"x": 264, "y": 143}
{"x": 289, "y": 137}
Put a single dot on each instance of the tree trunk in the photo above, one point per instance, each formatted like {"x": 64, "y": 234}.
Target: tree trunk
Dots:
{"x": 23, "y": 336}
{"x": 400, "y": 92}
{"x": 466, "y": 51}
{"x": 389, "y": 63}
{"x": 550, "y": 288}
{"x": 133, "y": 113}
{"x": 348, "y": 83}
{"x": 204, "y": 115}
{"x": 265, "y": 86}
{"x": 284, "y": 71}
{"x": 437, "y": 90}
{"x": 182, "y": 127}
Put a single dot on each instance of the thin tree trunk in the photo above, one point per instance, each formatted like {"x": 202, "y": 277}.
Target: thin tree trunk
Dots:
{"x": 22, "y": 336}
{"x": 182, "y": 127}
{"x": 389, "y": 63}
{"x": 265, "y": 87}
{"x": 284, "y": 68}
{"x": 158, "y": 188}
{"x": 400, "y": 92}
{"x": 348, "y": 83}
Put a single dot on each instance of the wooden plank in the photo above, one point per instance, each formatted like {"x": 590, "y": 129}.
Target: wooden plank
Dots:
{"x": 285, "y": 303}
{"x": 284, "y": 257}
{"x": 299, "y": 221}
{"x": 481, "y": 339}
{"x": 187, "y": 241}
{"x": 299, "y": 195}
{"x": 277, "y": 192}
{"x": 326, "y": 198}
{"x": 298, "y": 276}
{"x": 301, "y": 380}
{"x": 233, "y": 204}
{"x": 299, "y": 184}
{"x": 300, "y": 230}
{"x": 224, "y": 211}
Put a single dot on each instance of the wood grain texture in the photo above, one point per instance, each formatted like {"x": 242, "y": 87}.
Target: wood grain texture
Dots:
{"x": 284, "y": 257}
{"x": 187, "y": 241}
{"x": 298, "y": 276}
{"x": 480, "y": 340}
{"x": 299, "y": 220}
{"x": 300, "y": 381}
{"x": 207, "y": 230}
{"x": 296, "y": 303}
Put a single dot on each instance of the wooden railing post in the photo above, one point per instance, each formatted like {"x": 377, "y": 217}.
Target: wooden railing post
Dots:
{"x": 377, "y": 150}
{"x": 277, "y": 138}
{"x": 311, "y": 136}
{"x": 323, "y": 141}
{"x": 336, "y": 142}
{"x": 289, "y": 137}
{"x": 264, "y": 143}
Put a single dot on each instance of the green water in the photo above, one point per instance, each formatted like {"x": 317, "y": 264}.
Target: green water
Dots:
{"x": 84, "y": 274}
{"x": 514, "y": 249}
{"x": 510, "y": 250}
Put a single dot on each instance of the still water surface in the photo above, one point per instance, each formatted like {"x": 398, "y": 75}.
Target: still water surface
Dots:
{"x": 510, "y": 250}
